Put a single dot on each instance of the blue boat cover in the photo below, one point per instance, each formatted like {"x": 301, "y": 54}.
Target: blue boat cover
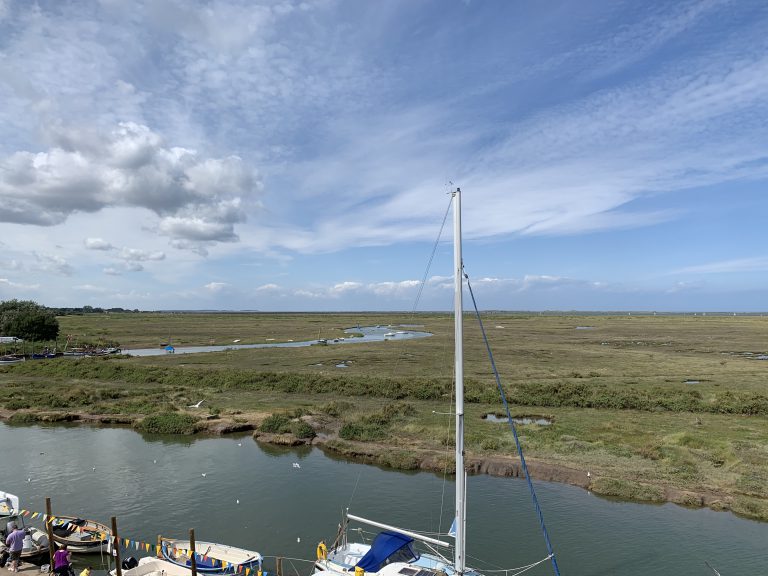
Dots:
{"x": 385, "y": 545}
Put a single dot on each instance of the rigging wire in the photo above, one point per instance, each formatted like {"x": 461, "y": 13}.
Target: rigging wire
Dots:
{"x": 512, "y": 426}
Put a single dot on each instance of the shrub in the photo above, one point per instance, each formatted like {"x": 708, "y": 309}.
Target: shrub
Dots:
{"x": 168, "y": 423}
{"x": 276, "y": 424}
{"x": 302, "y": 429}
{"x": 336, "y": 408}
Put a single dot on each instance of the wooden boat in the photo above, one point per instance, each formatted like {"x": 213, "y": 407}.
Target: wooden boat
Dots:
{"x": 81, "y": 536}
{"x": 210, "y": 558}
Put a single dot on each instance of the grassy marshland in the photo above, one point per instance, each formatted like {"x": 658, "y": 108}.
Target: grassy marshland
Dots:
{"x": 616, "y": 392}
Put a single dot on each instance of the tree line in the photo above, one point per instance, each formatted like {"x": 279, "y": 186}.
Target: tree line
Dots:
{"x": 28, "y": 320}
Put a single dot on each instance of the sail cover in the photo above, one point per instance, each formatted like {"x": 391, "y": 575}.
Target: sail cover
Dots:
{"x": 387, "y": 547}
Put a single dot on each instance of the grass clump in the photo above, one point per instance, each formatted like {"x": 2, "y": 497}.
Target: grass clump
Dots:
{"x": 302, "y": 430}
{"x": 276, "y": 424}
{"x": 168, "y": 423}
{"x": 627, "y": 489}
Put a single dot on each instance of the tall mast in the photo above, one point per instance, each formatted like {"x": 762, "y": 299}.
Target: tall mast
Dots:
{"x": 459, "y": 560}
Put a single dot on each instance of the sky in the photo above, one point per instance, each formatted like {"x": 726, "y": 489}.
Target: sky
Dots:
{"x": 296, "y": 155}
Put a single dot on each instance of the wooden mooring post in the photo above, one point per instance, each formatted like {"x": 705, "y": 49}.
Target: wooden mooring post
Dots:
{"x": 279, "y": 565}
{"x": 116, "y": 547}
{"x": 193, "y": 560}
{"x": 49, "y": 532}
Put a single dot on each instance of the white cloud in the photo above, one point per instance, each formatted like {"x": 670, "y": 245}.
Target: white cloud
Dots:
{"x": 52, "y": 263}
{"x": 4, "y": 282}
{"x": 90, "y": 288}
{"x": 197, "y": 198}
{"x": 97, "y": 244}
{"x": 138, "y": 255}
{"x": 215, "y": 287}
{"x": 755, "y": 264}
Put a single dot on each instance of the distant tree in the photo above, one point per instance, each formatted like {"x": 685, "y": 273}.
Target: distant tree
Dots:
{"x": 27, "y": 320}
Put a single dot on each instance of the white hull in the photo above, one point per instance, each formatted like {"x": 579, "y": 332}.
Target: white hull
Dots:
{"x": 151, "y": 566}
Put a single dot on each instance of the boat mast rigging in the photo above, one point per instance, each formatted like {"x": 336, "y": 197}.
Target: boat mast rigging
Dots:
{"x": 459, "y": 554}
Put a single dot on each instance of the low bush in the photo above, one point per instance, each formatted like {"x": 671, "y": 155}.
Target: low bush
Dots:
{"x": 276, "y": 424}
{"x": 168, "y": 423}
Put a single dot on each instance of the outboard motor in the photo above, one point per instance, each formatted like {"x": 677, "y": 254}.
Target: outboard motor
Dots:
{"x": 27, "y": 546}
{"x": 129, "y": 563}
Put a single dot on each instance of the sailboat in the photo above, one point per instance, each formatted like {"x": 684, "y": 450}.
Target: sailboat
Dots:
{"x": 392, "y": 551}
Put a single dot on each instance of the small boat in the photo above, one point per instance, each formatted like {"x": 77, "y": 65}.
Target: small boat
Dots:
{"x": 151, "y": 566}
{"x": 210, "y": 558}
{"x": 390, "y": 335}
{"x": 393, "y": 551}
{"x": 35, "y": 550}
{"x": 81, "y": 536}
{"x": 11, "y": 359}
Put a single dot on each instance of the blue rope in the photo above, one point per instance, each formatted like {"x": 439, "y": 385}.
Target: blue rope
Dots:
{"x": 514, "y": 430}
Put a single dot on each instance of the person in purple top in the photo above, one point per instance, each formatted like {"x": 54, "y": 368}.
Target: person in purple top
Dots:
{"x": 61, "y": 561}
{"x": 15, "y": 543}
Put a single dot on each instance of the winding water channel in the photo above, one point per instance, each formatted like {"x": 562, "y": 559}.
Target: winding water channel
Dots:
{"x": 369, "y": 334}
{"x": 256, "y": 497}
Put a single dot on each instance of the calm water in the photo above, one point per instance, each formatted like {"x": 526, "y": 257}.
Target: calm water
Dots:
{"x": 154, "y": 485}
{"x": 369, "y": 334}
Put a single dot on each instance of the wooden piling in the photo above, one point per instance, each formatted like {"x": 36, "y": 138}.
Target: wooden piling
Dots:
{"x": 279, "y": 562}
{"x": 116, "y": 547}
{"x": 193, "y": 560}
{"x": 49, "y": 532}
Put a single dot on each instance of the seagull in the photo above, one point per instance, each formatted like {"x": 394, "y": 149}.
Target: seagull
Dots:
{"x": 29, "y": 479}
{"x": 239, "y": 443}
{"x": 196, "y": 405}
{"x": 94, "y": 468}
{"x": 237, "y": 501}
{"x": 203, "y": 474}
{"x": 296, "y": 465}
{"x": 154, "y": 461}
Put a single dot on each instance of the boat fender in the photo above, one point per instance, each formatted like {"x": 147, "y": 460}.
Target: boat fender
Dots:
{"x": 322, "y": 551}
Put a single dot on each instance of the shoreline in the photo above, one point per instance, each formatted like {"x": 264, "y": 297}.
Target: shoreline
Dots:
{"x": 427, "y": 460}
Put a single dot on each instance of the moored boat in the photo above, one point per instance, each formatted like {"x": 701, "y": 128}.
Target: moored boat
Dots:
{"x": 35, "y": 550}
{"x": 394, "y": 551}
{"x": 210, "y": 558}
{"x": 151, "y": 566}
{"x": 81, "y": 536}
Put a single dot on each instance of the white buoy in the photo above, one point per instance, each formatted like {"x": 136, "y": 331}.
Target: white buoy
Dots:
{"x": 298, "y": 539}
{"x": 237, "y": 501}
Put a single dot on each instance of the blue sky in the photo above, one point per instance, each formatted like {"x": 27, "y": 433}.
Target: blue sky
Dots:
{"x": 294, "y": 155}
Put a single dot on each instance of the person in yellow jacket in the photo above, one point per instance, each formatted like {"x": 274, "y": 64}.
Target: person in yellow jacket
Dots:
{"x": 322, "y": 551}
{"x": 86, "y": 571}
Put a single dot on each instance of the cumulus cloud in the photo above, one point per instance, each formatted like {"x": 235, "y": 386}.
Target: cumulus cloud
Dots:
{"x": 97, "y": 244}
{"x": 198, "y": 199}
{"x": 138, "y": 255}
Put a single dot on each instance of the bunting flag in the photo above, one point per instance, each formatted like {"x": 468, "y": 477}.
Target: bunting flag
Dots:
{"x": 127, "y": 543}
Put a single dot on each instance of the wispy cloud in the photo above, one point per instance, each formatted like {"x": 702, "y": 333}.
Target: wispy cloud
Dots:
{"x": 754, "y": 264}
